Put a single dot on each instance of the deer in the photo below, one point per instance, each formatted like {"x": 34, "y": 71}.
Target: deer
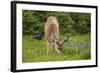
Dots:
{"x": 51, "y": 30}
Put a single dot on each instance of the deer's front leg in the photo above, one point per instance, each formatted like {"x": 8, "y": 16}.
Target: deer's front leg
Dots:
{"x": 56, "y": 48}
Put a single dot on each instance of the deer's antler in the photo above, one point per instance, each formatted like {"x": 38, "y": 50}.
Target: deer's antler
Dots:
{"x": 61, "y": 43}
{"x": 66, "y": 39}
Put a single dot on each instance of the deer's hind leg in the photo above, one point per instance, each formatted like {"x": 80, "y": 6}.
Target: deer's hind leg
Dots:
{"x": 48, "y": 47}
{"x": 56, "y": 49}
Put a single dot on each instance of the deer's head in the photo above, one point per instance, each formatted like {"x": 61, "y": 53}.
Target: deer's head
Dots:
{"x": 58, "y": 43}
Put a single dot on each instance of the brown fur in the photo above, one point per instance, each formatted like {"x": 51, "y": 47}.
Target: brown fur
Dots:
{"x": 51, "y": 30}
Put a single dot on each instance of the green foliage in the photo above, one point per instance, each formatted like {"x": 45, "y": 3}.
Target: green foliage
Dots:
{"x": 82, "y": 22}
{"x": 35, "y": 50}
{"x": 74, "y": 23}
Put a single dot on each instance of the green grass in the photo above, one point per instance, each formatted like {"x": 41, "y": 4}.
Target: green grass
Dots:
{"x": 35, "y": 50}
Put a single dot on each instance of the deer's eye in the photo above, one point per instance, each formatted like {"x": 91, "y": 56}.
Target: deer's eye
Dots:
{"x": 56, "y": 42}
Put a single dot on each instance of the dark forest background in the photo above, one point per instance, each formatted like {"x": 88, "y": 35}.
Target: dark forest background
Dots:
{"x": 69, "y": 22}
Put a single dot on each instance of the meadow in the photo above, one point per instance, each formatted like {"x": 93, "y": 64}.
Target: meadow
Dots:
{"x": 74, "y": 23}
{"x": 35, "y": 50}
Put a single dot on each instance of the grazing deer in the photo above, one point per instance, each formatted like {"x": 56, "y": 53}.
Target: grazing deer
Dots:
{"x": 51, "y": 30}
